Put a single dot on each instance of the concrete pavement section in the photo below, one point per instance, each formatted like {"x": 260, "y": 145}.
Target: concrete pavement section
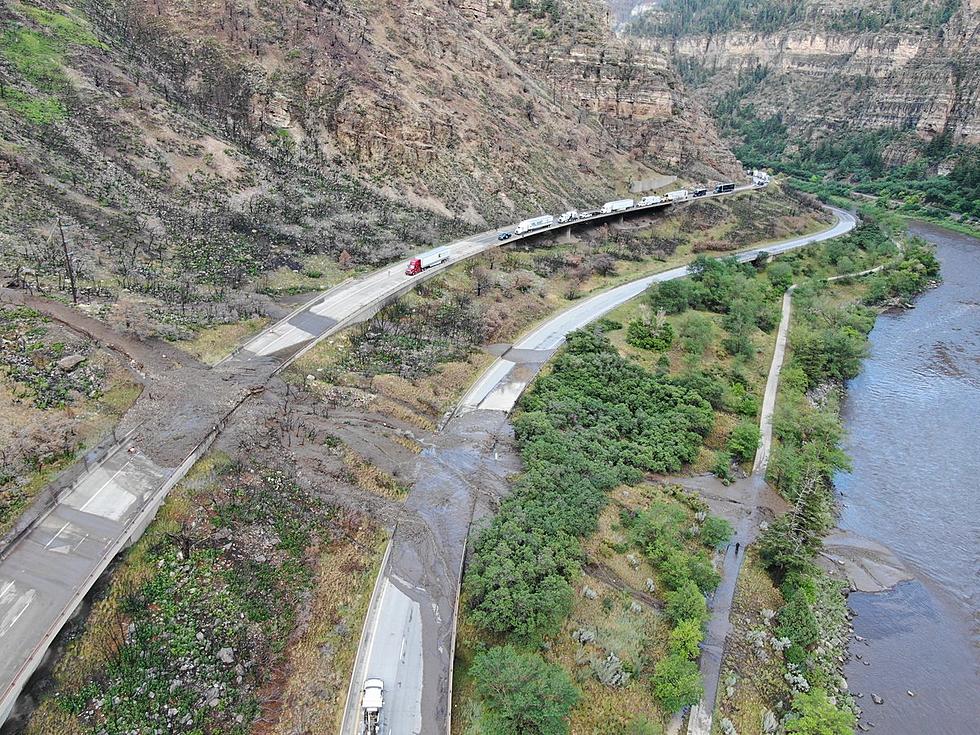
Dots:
{"x": 426, "y": 556}
{"x": 42, "y": 577}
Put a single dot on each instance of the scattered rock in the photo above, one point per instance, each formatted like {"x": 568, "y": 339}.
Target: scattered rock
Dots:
{"x": 910, "y": 692}
{"x": 769, "y": 722}
{"x": 636, "y": 607}
{"x": 876, "y": 699}
{"x": 70, "y": 362}
{"x": 650, "y": 585}
{"x": 588, "y": 593}
{"x": 227, "y": 655}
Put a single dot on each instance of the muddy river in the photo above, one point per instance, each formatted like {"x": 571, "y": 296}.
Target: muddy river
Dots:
{"x": 913, "y": 418}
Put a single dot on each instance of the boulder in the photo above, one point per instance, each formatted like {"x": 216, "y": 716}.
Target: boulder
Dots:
{"x": 70, "y": 362}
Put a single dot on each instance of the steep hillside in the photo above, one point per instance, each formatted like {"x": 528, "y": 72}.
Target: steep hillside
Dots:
{"x": 891, "y": 82}
{"x": 194, "y": 152}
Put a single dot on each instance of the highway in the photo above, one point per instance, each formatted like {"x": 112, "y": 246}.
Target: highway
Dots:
{"x": 502, "y": 384}
{"x": 424, "y": 564}
{"x": 357, "y": 299}
{"x": 48, "y": 569}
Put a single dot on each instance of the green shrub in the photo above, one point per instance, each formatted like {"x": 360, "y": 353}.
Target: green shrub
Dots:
{"x": 716, "y": 532}
{"x": 677, "y": 682}
{"x": 797, "y": 621}
{"x": 697, "y": 333}
{"x": 686, "y": 603}
{"x": 685, "y": 638}
{"x": 649, "y": 337}
{"x": 744, "y": 441}
{"x": 813, "y": 713}
{"x": 672, "y": 297}
{"x": 522, "y": 693}
{"x": 722, "y": 467}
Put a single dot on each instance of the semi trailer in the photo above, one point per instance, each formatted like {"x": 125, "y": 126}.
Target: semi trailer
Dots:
{"x": 647, "y": 201}
{"x": 722, "y": 188}
{"x": 535, "y": 223}
{"x": 619, "y": 205}
{"x": 372, "y": 700}
{"x": 677, "y": 196}
{"x": 426, "y": 260}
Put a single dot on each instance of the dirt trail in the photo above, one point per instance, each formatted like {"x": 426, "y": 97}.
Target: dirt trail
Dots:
{"x": 151, "y": 353}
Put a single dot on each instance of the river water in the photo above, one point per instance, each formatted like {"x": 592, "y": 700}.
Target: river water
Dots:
{"x": 913, "y": 421}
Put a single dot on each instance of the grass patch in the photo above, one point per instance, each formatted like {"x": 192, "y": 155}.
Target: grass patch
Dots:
{"x": 212, "y": 344}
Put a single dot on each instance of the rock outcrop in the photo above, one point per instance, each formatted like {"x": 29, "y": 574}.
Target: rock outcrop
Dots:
{"x": 834, "y": 66}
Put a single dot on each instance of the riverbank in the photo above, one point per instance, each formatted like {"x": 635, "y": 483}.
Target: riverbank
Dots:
{"x": 918, "y": 397}
{"x": 789, "y": 603}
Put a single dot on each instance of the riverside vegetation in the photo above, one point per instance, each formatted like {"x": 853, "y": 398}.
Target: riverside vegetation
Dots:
{"x": 791, "y": 624}
{"x": 621, "y": 402}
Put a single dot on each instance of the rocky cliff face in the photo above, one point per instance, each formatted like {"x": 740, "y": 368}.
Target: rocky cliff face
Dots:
{"x": 188, "y": 147}
{"x": 911, "y": 71}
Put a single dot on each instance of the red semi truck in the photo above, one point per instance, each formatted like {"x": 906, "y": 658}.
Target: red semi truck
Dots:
{"x": 427, "y": 260}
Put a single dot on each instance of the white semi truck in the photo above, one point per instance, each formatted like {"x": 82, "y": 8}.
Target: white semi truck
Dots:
{"x": 760, "y": 178}
{"x": 568, "y": 216}
{"x": 535, "y": 223}
{"x": 372, "y": 700}
{"x": 617, "y": 206}
{"x": 677, "y": 196}
{"x": 427, "y": 260}
{"x": 647, "y": 201}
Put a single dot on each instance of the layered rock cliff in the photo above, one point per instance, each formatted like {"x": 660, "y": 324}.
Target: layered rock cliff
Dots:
{"x": 829, "y": 66}
{"x": 187, "y": 148}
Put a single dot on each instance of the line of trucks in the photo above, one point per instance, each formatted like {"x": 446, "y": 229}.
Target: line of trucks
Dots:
{"x": 441, "y": 255}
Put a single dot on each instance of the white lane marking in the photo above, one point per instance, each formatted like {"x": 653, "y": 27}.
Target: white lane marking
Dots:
{"x": 16, "y": 611}
{"x": 9, "y": 585}
{"x": 104, "y": 486}
{"x": 54, "y": 538}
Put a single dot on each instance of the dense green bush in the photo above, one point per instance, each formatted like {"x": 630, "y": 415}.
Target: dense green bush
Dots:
{"x": 685, "y": 639}
{"x": 722, "y": 468}
{"x": 910, "y": 277}
{"x": 677, "y": 682}
{"x": 744, "y": 441}
{"x": 522, "y": 693}
{"x": 716, "y": 532}
{"x": 594, "y": 422}
{"x": 697, "y": 334}
{"x": 797, "y": 621}
{"x": 815, "y": 714}
{"x": 686, "y": 603}
{"x": 648, "y": 336}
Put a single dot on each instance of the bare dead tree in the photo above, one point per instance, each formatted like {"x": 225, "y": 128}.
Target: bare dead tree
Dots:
{"x": 69, "y": 263}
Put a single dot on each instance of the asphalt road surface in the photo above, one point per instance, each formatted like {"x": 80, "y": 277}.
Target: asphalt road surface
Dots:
{"x": 424, "y": 562}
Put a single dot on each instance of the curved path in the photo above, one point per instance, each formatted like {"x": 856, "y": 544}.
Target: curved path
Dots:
{"x": 409, "y": 632}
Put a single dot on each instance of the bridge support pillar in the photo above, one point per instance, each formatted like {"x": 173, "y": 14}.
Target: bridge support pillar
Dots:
{"x": 619, "y": 220}
{"x": 566, "y": 235}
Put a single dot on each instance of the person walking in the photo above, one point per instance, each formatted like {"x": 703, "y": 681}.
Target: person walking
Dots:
{"x": 736, "y": 548}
